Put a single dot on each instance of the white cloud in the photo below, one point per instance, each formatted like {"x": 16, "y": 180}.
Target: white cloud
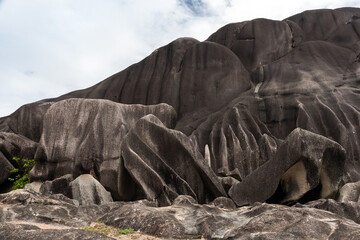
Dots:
{"x": 48, "y": 48}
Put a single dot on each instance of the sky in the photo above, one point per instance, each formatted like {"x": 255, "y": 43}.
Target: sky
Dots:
{"x": 51, "y": 47}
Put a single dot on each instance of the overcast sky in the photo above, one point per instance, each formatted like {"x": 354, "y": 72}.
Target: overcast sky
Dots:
{"x": 51, "y": 47}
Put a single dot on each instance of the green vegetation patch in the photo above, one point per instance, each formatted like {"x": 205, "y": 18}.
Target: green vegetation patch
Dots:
{"x": 102, "y": 228}
{"x": 22, "y": 173}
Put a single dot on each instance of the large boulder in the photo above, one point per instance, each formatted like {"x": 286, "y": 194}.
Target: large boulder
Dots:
{"x": 165, "y": 163}
{"x": 13, "y": 145}
{"x": 256, "y": 42}
{"x": 87, "y": 191}
{"x": 5, "y": 168}
{"x": 60, "y": 185}
{"x": 350, "y": 192}
{"x": 27, "y": 120}
{"x": 83, "y": 136}
{"x": 303, "y": 162}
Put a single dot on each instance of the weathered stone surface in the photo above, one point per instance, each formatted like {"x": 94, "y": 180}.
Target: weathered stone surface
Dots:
{"x": 25, "y": 205}
{"x": 164, "y": 163}
{"x": 84, "y": 190}
{"x": 82, "y": 136}
{"x": 5, "y": 168}
{"x": 27, "y": 120}
{"x": 184, "y": 219}
{"x": 349, "y": 210}
{"x": 349, "y": 192}
{"x": 328, "y": 23}
{"x": 304, "y": 86}
{"x": 184, "y": 200}
{"x": 247, "y": 41}
{"x": 271, "y": 107}
{"x": 12, "y": 145}
{"x": 303, "y": 162}
{"x": 223, "y": 202}
{"x": 279, "y": 222}
{"x": 30, "y": 232}
{"x": 33, "y": 186}
{"x": 260, "y": 220}
{"x": 58, "y": 185}
{"x": 87, "y": 191}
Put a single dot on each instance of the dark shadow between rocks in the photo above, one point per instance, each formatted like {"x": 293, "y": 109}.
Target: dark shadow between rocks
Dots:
{"x": 300, "y": 184}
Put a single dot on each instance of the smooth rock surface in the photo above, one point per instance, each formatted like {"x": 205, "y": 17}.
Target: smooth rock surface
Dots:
{"x": 260, "y": 220}
{"x": 184, "y": 219}
{"x": 5, "y": 168}
{"x": 26, "y": 121}
{"x": 87, "y": 191}
{"x": 164, "y": 163}
{"x": 83, "y": 136}
{"x": 33, "y": 186}
{"x": 13, "y": 145}
{"x": 349, "y": 210}
{"x": 303, "y": 162}
{"x": 349, "y": 192}
{"x": 59, "y": 185}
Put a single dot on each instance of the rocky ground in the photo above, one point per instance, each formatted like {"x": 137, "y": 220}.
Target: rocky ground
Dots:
{"x": 26, "y": 214}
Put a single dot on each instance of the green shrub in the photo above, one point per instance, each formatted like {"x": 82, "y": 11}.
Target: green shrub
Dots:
{"x": 102, "y": 228}
{"x": 126, "y": 231}
{"x": 22, "y": 173}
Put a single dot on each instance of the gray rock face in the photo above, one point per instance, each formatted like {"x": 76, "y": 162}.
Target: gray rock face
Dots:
{"x": 33, "y": 186}
{"x": 303, "y": 162}
{"x": 59, "y": 185}
{"x": 13, "y": 145}
{"x": 165, "y": 164}
{"x": 259, "y": 220}
{"x": 349, "y": 210}
{"x": 84, "y": 190}
{"x": 27, "y": 120}
{"x": 262, "y": 111}
{"x": 5, "y": 167}
{"x": 87, "y": 139}
{"x": 349, "y": 192}
{"x": 88, "y": 191}
{"x": 184, "y": 219}
{"x": 246, "y": 40}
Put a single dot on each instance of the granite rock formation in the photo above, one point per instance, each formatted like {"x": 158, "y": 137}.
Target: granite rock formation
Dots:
{"x": 13, "y": 145}
{"x": 350, "y": 192}
{"x": 87, "y": 191}
{"x": 28, "y": 215}
{"x": 262, "y": 111}
{"x": 87, "y": 140}
{"x": 304, "y": 161}
{"x": 166, "y": 164}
